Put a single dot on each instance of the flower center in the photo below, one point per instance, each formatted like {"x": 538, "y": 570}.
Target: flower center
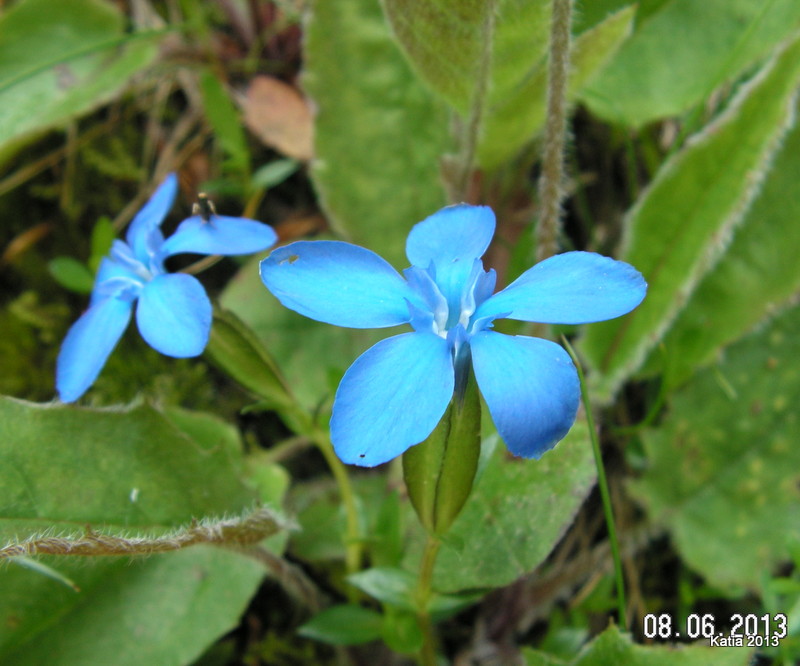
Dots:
{"x": 446, "y": 306}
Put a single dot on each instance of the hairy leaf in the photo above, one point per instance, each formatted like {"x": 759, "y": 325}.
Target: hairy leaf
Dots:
{"x": 724, "y": 467}
{"x": 684, "y": 50}
{"x": 378, "y": 132}
{"x": 683, "y": 223}
{"x": 756, "y": 275}
{"x": 58, "y": 60}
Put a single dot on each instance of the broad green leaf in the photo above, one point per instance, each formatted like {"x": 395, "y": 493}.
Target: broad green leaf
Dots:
{"x": 684, "y": 221}
{"x": 444, "y": 40}
{"x": 225, "y": 121}
{"x": 612, "y": 648}
{"x": 67, "y": 467}
{"x": 166, "y": 609}
{"x": 313, "y": 356}
{"x": 515, "y": 119}
{"x": 124, "y": 472}
{"x": 756, "y": 275}
{"x": 684, "y": 50}
{"x": 516, "y": 514}
{"x": 344, "y": 625}
{"x": 723, "y": 471}
{"x": 61, "y": 59}
{"x": 378, "y": 132}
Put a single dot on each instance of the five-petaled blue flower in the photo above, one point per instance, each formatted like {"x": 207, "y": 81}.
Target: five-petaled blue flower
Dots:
{"x": 394, "y": 395}
{"x": 173, "y": 311}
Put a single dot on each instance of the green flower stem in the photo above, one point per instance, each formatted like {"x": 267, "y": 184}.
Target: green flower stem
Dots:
{"x": 551, "y": 189}
{"x": 603, "y": 484}
{"x": 424, "y": 592}
{"x": 237, "y": 350}
{"x": 354, "y": 544}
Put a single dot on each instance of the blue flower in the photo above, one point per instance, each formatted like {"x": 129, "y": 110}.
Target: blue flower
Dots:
{"x": 395, "y": 393}
{"x": 173, "y": 312}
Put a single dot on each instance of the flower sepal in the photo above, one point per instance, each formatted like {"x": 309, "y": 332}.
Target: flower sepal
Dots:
{"x": 236, "y": 350}
{"x": 440, "y": 470}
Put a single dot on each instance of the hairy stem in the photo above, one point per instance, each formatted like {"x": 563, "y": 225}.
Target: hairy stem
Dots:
{"x": 246, "y": 530}
{"x": 552, "y": 177}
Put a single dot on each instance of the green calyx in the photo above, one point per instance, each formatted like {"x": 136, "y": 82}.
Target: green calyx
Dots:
{"x": 439, "y": 471}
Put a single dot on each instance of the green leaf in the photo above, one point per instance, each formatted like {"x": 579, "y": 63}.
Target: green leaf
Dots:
{"x": 273, "y": 173}
{"x": 439, "y": 471}
{"x": 443, "y": 39}
{"x": 125, "y": 472}
{"x": 388, "y": 585}
{"x": 166, "y": 609}
{"x": 235, "y": 349}
{"x": 225, "y": 121}
{"x": 516, "y": 117}
{"x": 401, "y": 631}
{"x": 314, "y": 356}
{"x": 516, "y": 514}
{"x": 72, "y": 274}
{"x": 444, "y": 42}
{"x": 68, "y": 467}
{"x": 324, "y": 524}
{"x": 755, "y": 276}
{"x": 613, "y": 647}
{"x": 650, "y": 78}
{"x": 103, "y": 235}
{"x": 378, "y": 132}
{"x": 684, "y": 222}
{"x": 346, "y": 624}
{"x": 59, "y": 60}
{"x": 723, "y": 467}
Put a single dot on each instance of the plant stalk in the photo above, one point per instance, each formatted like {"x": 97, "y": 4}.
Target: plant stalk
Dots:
{"x": 551, "y": 189}
{"x": 603, "y": 485}
{"x": 424, "y": 591}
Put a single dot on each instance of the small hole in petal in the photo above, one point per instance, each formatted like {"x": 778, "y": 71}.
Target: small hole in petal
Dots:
{"x": 290, "y": 259}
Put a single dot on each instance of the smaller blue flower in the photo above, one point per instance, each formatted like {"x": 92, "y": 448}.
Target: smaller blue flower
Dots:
{"x": 395, "y": 394}
{"x": 173, "y": 312}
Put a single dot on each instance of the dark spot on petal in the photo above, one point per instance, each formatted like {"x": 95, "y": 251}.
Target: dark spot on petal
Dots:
{"x": 362, "y": 455}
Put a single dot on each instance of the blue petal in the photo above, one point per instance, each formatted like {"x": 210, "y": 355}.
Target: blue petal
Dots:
{"x": 391, "y": 398}
{"x": 451, "y": 239}
{"x": 570, "y": 288}
{"x": 113, "y": 279}
{"x": 531, "y": 388}
{"x": 88, "y": 344}
{"x": 338, "y": 283}
{"x": 219, "y": 235}
{"x": 174, "y": 315}
{"x": 140, "y": 234}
